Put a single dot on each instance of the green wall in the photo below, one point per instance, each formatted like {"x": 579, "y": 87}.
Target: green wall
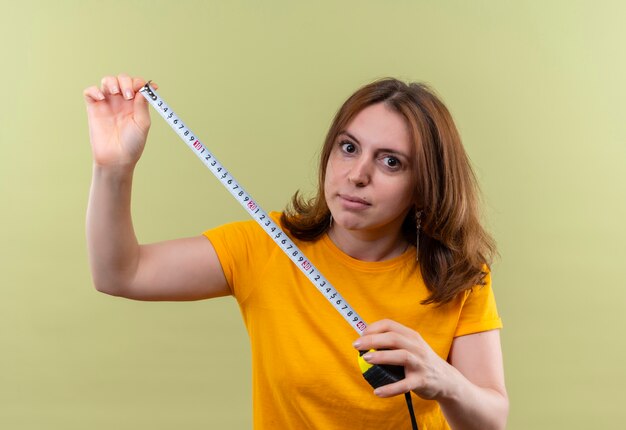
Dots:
{"x": 536, "y": 88}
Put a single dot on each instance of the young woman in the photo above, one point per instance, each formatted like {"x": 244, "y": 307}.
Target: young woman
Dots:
{"x": 394, "y": 227}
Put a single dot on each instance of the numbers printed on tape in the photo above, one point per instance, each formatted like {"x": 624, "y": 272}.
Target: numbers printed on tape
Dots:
{"x": 259, "y": 215}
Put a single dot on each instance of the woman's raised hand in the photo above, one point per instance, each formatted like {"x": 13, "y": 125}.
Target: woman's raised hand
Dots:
{"x": 119, "y": 120}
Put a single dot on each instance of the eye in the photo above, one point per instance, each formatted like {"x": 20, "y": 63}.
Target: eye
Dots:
{"x": 348, "y": 147}
{"x": 392, "y": 162}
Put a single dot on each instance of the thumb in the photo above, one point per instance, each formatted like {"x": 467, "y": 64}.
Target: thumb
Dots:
{"x": 140, "y": 104}
{"x": 141, "y": 111}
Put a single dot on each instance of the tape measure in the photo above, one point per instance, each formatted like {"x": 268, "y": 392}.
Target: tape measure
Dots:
{"x": 376, "y": 375}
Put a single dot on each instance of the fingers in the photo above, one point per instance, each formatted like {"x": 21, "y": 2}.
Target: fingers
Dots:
{"x": 109, "y": 86}
{"x": 93, "y": 94}
{"x": 388, "y": 325}
{"x": 389, "y": 340}
{"x": 142, "y": 114}
{"x": 393, "y": 344}
{"x": 139, "y": 82}
{"x": 394, "y": 389}
{"x": 116, "y": 91}
{"x": 414, "y": 379}
{"x": 397, "y": 357}
{"x": 388, "y": 334}
{"x": 120, "y": 85}
{"x": 126, "y": 86}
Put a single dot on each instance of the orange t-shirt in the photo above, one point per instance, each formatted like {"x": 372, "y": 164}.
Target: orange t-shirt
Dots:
{"x": 305, "y": 370}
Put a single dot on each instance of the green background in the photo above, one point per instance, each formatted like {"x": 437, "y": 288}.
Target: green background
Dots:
{"x": 536, "y": 89}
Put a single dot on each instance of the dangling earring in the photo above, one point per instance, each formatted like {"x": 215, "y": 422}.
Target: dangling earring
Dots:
{"x": 330, "y": 223}
{"x": 418, "y": 225}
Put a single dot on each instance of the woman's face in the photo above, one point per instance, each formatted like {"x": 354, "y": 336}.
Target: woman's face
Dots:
{"x": 369, "y": 180}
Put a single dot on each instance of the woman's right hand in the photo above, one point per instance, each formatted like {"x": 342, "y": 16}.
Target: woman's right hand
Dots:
{"x": 119, "y": 120}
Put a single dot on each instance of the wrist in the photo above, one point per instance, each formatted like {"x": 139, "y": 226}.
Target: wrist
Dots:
{"x": 452, "y": 385}
{"x": 118, "y": 171}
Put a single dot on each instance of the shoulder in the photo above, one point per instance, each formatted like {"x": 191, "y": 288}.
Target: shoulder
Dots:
{"x": 241, "y": 233}
{"x": 479, "y": 311}
{"x": 232, "y": 231}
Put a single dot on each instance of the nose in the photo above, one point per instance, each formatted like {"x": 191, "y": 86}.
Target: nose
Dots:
{"x": 360, "y": 174}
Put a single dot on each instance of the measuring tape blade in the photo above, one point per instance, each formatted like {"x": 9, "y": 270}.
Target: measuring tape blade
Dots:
{"x": 256, "y": 212}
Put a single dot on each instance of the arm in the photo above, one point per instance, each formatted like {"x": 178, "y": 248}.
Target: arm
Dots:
{"x": 184, "y": 269}
{"x": 470, "y": 389}
{"x": 478, "y": 398}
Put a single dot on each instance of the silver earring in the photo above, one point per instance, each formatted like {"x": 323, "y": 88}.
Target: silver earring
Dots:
{"x": 418, "y": 225}
{"x": 330, "y": 223}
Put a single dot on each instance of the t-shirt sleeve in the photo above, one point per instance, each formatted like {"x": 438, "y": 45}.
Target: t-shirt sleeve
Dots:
{"x": 479, "y": 312}
{"x": 233, "y": 243}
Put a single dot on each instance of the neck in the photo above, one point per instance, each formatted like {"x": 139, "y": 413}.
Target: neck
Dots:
{"x": 366, "y": 246}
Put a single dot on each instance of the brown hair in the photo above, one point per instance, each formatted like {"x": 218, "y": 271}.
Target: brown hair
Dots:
{"x": 454, "y": 250}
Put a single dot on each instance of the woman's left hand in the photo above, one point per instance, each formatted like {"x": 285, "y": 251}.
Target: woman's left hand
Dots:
{"x": 426, "y": 374}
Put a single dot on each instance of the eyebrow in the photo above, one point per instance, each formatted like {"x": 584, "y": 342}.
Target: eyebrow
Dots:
{"x": 388, "y": 150}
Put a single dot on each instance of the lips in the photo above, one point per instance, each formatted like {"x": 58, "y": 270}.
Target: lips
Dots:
{"x": 353, "y": 201}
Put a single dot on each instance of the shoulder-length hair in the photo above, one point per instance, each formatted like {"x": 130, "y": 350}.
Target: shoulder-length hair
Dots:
{"x": 454, "y": 250}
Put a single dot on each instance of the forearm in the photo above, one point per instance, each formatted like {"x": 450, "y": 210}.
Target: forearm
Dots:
{"x": 112, "y": 244}
{"x": 467, "y": 406}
